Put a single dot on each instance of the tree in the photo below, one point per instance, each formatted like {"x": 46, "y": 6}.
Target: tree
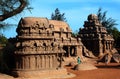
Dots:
{"x": 9, "y": 8}
{"x": 7, "y": 56}
{"x": 58, "y": 16}
{"x": 75, "y": 34}
{"x": 109, "y": 23}
{"x": 116, "y": 36}
{"x": 3, "y": 40}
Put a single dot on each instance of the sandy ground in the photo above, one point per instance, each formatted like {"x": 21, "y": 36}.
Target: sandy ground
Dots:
{"x": 110, "y": 71}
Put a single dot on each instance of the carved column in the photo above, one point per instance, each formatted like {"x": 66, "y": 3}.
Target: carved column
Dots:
{"x": 40, "y": 62}
{"x": 56, "y": 61}
{"x": 104, "y": 46}
{"x": 75, "y": 50}
{"x": 32, "y": 62}
{"x": 100, "y": 48}
{"x": 23, "y": 62}
{"x": 68, "y": 51}
{"x": 61, "y": 65}
{"x": 50, "y": 61}
{"x": 26, "y": 60}
{"x": 53, "y": 60}
{"x": 47, "y": 62}
{"x": 36, "y": 62}
{"x": 110, "y": 45}
{"x": 17, "y": 63}
{"x": 43, "y": 61}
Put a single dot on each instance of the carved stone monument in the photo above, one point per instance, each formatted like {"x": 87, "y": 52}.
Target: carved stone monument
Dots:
{"x": 43, "y": 45}
{"x": 95, "y": 37}
{"x": 38, "y": 52}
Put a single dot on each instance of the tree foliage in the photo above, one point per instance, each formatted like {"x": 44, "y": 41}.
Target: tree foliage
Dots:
{"x": 58, "y": 16}
{"x": 7, "y": 59}
{"x": 109, "y": 23}
{"x": 3, "y": 40}
{"x": 75, "y": 34}
{"x": 9, "y": 8}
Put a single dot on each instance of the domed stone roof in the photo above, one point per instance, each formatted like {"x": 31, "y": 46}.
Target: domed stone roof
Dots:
{"x": 27, "y": 21}
{"x": 92, "y": 17}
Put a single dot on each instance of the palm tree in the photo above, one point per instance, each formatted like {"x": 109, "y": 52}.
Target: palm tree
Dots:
{"x": 109, "y": 23}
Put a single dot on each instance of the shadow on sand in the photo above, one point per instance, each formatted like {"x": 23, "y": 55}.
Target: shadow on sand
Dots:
{"x": 108, "y": 66}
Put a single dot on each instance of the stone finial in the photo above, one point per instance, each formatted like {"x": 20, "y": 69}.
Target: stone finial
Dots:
{"x": 92, "y": 17}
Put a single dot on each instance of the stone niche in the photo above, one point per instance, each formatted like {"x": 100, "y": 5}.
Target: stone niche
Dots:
{"x": 37, "y": 51}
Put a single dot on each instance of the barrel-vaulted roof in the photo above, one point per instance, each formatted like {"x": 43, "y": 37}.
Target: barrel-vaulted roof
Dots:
{"x": 57, "y": 25}
{"x": 60, "y": 25}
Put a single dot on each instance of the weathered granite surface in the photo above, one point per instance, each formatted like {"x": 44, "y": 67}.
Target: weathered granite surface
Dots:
{"x": 95, "y": 38}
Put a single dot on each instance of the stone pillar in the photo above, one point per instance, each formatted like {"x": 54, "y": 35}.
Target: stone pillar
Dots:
{"x": 51, "y": 62}
{"x": 32, "y": 62}
{"x": 75, "y": 51}
{"x": 55, "y": 61}
{"x": 61, "y": 60}
{"x": 26, "y": 60}
{"x": 100, "y": 48}
{"x": 104, "y": 46}
{"x": 29, "y": 63}
{"x": 68, "y": 51}
{"x": 43, "y": 61}
{"x": 40, "y": 62}
{"x": 79, "y": 50}
{"x": 47, "y": 62}
{"x": 37, "y": 59}
{"x": 17, "y": 63}
{"x": 23, "y": 62}
{"x": 110, "y": 45}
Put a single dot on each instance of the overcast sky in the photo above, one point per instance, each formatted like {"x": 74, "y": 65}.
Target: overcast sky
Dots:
{"x": 76, "y": 11}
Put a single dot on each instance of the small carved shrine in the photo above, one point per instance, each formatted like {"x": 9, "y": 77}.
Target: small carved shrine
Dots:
{"x": 95, "y": 37}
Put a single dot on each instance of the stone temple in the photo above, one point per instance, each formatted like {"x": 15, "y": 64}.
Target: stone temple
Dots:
{"x": 41, "y": 46}
{"x": 44, "y": 45}
{"x": 96, "y": 38}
